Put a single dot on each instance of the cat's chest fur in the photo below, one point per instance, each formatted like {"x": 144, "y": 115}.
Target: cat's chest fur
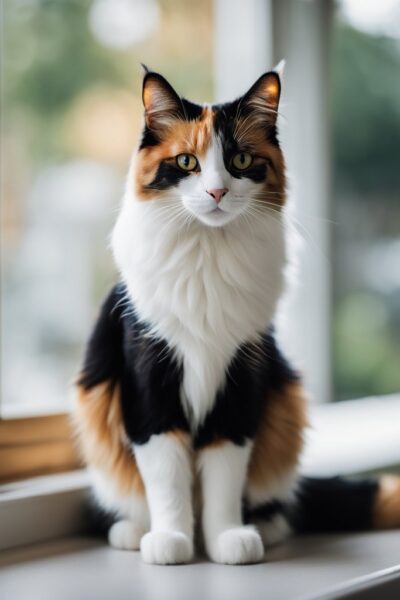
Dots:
{"x": 203, "y": 290}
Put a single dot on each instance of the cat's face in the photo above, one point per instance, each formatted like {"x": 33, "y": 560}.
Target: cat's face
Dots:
{"x": 211, "y": 163}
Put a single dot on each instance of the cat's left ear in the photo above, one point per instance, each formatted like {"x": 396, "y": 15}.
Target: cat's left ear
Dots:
{"x": 263, "y": 96}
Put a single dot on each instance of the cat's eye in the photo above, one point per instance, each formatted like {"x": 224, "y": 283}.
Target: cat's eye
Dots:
{"x": 186, "y": 162}
{"x": 242, "y": 161}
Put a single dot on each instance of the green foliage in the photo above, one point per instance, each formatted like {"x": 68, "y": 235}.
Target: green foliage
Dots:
{"x": 366, "y": 111}
{"x": 366, "y": 147}
{"x": 64, "y": 58}
{"x": 366, "y": 351}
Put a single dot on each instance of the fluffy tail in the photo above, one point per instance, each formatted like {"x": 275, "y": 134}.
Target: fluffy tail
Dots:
{"x": 338, "y": 504}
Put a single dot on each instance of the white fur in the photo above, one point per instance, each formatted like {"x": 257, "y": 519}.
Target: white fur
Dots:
{"x": 166, "y": 470}
{"x": 222, "y": 473}
{"x": 206, "y": 290}
{"x": 280, "y": 68}
{"x": 213, "y": 175}
{"x": 237, "y": 546}
{"x": 166, "y": 548}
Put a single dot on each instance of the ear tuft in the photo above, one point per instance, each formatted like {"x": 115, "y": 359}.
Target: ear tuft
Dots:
{"x": 161, "y": 103}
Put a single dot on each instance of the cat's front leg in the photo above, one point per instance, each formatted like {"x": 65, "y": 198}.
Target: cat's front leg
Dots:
{"x": 223, "y": 470}
{"x": 166, "y": 468}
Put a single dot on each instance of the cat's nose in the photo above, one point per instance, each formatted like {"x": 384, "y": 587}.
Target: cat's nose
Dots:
{"x": 217, "y": 193}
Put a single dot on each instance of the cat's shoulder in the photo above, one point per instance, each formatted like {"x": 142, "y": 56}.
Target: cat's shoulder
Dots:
{"x": 105, "y": 348}
{"x": 279, "y": 367}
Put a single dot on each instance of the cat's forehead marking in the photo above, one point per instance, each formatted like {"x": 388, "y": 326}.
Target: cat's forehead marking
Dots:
{"x": 192, "y": 136}
{"x": 203, "y": 131}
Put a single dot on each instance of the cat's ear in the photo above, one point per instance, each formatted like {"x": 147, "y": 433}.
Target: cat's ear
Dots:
{"x": 263, "y": 96}
{"x": 162, "y": 104}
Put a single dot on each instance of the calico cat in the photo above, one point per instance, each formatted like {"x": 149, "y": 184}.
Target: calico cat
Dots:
{"x": 187, "y": 411}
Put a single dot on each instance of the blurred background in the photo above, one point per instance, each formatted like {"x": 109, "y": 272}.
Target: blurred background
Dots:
{"x": 71, "y": 113}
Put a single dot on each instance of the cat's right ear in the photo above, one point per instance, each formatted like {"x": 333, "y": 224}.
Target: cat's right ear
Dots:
{"x": 162, "y": 104}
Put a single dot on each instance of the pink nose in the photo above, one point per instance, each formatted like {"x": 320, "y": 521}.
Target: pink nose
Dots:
{"x": 217, "y": 193}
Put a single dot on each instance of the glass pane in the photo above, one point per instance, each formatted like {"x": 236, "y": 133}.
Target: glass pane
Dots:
{"x": 366, "y": 230}
{"x": 71, "y": 114}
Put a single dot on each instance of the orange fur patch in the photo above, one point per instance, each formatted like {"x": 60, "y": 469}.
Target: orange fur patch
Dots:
{"x": 183, "y": 437}
{"x": 191, "y": 137}
{"x": 386, "y": 513}
{"x": 217, "y": 443}
{"x": 279, "y": 439}
{"x": 101, "y": 436}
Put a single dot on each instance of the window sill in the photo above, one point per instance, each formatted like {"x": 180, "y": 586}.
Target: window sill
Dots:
{"x": 357, "y": 436}
{"x": 42, "y": 508}
{"x": 348, "y": 438}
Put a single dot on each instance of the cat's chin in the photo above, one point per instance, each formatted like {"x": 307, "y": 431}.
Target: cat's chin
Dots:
{"x": 216, "y": 218}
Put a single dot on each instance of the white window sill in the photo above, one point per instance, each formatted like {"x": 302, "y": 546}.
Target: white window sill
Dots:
{"x": 347, "y": 438}
{"x": 351, "y": 437}
{"x": 42, "y": 508}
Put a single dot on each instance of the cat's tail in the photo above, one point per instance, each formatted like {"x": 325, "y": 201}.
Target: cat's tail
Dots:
{"x": 339, "y": 504}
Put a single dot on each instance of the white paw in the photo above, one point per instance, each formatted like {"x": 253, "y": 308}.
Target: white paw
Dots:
{"x": 166, "y": 548}
{"x": 125, "y": 535}
{"x": 238, "y": 546}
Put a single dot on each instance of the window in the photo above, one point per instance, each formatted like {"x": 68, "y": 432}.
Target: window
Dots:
{"x": 71, "y": 114}
{"x": 365, "y": 206}
{"x": 340, "y": 130}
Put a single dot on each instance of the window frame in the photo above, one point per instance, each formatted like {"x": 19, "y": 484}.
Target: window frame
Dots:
{"x": 36, "y": 445}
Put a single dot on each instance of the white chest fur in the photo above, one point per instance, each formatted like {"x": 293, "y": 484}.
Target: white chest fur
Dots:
{"x": 204, "y": 290}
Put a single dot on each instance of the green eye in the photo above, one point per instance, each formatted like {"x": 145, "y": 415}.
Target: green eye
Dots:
{"x": 186, "y": 162}
{"x": 242, "y": 161}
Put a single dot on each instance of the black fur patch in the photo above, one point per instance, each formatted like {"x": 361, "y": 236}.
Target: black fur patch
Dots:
{"x": 265, "y": 512}
{"x": 167, "y": 176}
{"x": 149, "y": 138}
{"x": 150, "y": 378}
{"x": 104, "y": 356}
{"x": 120, "y": 349}
{"x": 333, "y": 504}
{"x": 192, "y": 111}
{"x": 95, "y": 520}
{"x": 252, "y": 376}
{"x": 150, "y": 391}
{"x": 225, "y": 116}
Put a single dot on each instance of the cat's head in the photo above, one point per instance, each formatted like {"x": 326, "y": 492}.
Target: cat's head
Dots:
{"x": 212, "y": 162}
